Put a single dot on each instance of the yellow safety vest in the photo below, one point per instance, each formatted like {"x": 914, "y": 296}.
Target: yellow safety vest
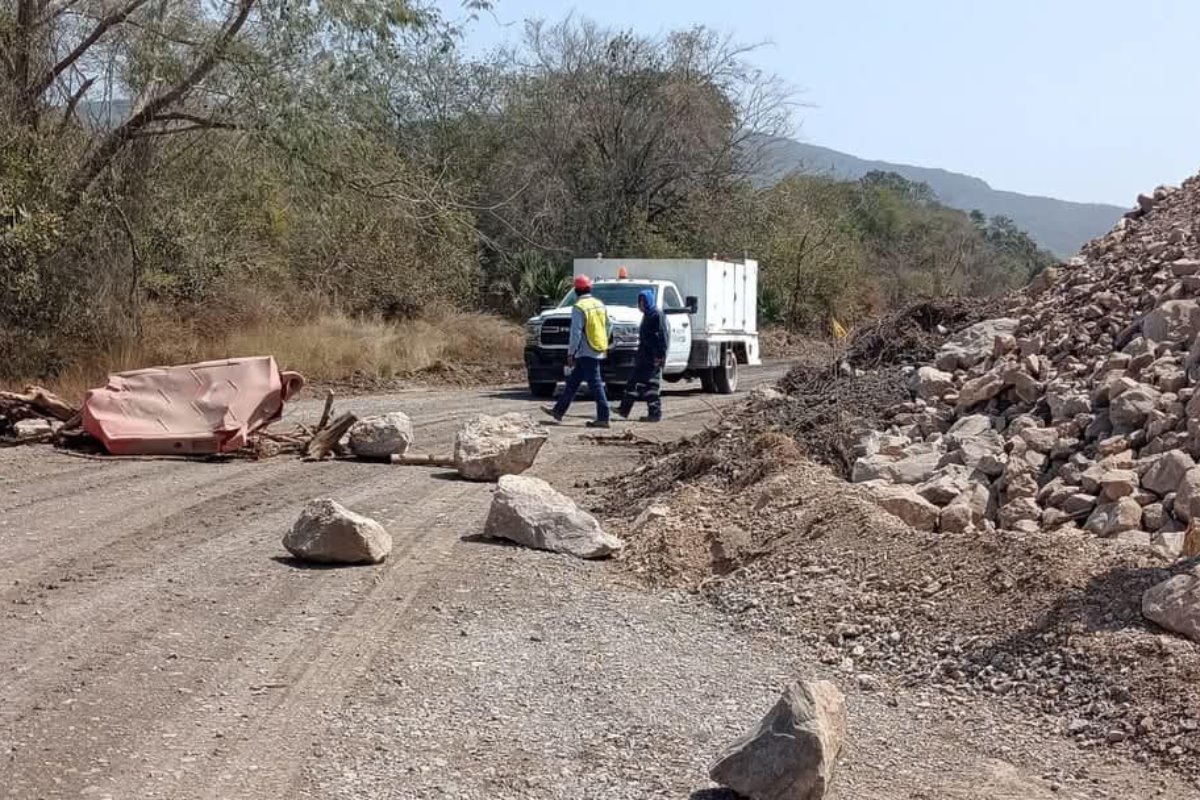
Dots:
{"x": 595, "y": 323}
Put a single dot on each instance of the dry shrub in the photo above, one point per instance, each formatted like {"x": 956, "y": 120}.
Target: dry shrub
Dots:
{"x": 331, "y": 347}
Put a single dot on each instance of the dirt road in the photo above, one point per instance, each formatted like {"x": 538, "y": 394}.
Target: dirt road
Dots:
{"x": 155, "y": 641}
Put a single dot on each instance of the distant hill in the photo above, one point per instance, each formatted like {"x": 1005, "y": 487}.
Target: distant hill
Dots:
{"x": 1058, "y": 225}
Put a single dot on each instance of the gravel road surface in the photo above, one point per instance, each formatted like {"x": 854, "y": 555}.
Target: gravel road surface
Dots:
{"x": 156, "y": 642}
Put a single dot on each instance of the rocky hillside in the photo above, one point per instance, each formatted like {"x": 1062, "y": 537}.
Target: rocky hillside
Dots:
{"x": 1058, "y": 225}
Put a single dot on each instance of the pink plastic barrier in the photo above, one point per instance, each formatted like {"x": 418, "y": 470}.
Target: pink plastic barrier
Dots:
{"x": 192, "y": 409}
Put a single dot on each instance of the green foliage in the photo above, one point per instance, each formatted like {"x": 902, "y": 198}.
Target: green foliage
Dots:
{"x": 343, "y": 155}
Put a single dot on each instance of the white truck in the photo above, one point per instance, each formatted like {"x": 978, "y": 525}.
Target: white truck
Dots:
{"x": 710, "y": 306}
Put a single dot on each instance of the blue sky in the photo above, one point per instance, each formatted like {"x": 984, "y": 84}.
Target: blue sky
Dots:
{"x": 1090, "y": 100}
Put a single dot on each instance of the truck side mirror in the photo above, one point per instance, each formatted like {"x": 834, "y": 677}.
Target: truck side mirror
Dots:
{"x": 544, "y": 303}
{"x": 691, "y": 304}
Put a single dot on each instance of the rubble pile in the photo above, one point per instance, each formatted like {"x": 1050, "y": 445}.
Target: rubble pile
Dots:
{"x": 1080, "y": 410}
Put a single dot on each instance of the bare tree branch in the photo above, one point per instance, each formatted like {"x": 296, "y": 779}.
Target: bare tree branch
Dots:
{"x": 72, "y": 104}
{"x": 116, "y": 139}
{"x": 103, "y": 27}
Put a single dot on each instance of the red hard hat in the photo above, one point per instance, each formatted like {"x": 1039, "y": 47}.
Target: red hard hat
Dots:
{"x": 582, "y": 283}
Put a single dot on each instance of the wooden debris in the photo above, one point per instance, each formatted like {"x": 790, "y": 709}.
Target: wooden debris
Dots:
{"x": 424, "y": 460}
{"x": 326, "y": 439}
{"x": 35, "y": 402}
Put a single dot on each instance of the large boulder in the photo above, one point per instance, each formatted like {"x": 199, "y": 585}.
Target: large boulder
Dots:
{"x": 1175, "y": 604}
{"x": 971, "y": 345}
{"x": 1130, "y": 409}
{"x": 792, "y": 753}
{"x": 1167, "y": 471}
{"x": 487, "y": 448}
{"x": 1173, "y": 322}
{"x": 381, "y": 436}
{"x": 329, "y": 533}
{"x": 530, "y": 512}
{"x": 905, "y": 503}
{"x": 1110, "y": 519}
{"x": 930, "y": 383}
{"x": 946, "y": 484}
{"x": 980, "y": 390}
{"x": 1187, "y": 497}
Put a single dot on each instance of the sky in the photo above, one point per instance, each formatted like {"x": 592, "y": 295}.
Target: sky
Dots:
{"x": 1087, "y": 100}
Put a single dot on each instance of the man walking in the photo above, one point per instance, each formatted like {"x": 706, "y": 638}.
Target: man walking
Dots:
{"x": 646, "y": 382}
{"x": 586, "y": 349}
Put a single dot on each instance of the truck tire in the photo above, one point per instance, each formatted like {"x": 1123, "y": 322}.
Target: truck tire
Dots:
{"x": 543, "y": 391}
{"x": 707, "y": 384}
{"x": 726, "y": 376}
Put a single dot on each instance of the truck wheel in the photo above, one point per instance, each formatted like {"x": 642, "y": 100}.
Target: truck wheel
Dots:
{"x": 707, "y": 384}
{"x": 543, "y": 391}
{"x": 726, "y": 375}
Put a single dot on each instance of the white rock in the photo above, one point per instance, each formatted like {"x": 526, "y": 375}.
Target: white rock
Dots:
{"x": 1109, "y": 519}
{"x": 905, "y": 503}
{"x": 930, "y": 383}
{"x": 381, "y": 436}
{"x": 946, "y": 484}
{"x": 530, "y": 512}
{"x": 28, "y": 428}
{"x": 792, "y": 753}
{"x": 1173, "y": 322}
{"x": 956, "y": 519}
{"x": 329, "y": 533}
{"x": 1175, "y": 604}
{"x": 1169, "y": 543}
{"x": 968, "y": 347}
{"x": 487, "y": 448}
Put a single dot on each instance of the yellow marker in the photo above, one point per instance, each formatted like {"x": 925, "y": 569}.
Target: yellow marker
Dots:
{"x": 838, "y": 331}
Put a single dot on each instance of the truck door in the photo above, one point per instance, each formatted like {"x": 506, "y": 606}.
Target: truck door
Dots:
{"x": 679, "y": 349}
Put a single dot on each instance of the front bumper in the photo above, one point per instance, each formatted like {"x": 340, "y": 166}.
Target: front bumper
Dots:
{"x": 549, "y": 366}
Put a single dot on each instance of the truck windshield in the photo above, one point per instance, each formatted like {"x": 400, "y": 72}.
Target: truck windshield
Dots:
{"x": 614, "y": 294}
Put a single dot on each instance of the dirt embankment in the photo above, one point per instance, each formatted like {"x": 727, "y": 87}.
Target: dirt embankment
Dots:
{"x": 1046, "y": 625}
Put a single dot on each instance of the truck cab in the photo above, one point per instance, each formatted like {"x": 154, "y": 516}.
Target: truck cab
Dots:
{"x": 711, "y": 354}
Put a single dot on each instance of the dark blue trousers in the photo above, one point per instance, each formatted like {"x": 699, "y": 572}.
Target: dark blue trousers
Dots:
{"x": 586, "y": 370}
{"x": 646, "y": 384}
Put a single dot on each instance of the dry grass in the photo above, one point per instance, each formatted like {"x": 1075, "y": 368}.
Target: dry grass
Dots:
{"x": 330, "y": 348}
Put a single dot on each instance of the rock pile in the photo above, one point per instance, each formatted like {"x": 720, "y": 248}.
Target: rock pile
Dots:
{"x": 1080, "y": 409}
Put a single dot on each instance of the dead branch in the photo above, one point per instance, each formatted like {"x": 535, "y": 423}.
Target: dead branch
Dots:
{"x": 40, "y": 401}
{"x": 326, "y": 411}
{"x": 116, "y": 139}
{"x": 325, "y": 441}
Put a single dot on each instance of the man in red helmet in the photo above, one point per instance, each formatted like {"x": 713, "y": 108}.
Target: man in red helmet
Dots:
{"x": 586, "y": 349}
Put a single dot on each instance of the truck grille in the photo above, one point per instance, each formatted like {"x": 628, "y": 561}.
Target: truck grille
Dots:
{"x": 556, "y": 334}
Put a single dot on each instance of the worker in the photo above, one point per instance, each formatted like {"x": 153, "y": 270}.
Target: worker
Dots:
{"x": 591, "y": 331}
{"x": 646, "y": 381}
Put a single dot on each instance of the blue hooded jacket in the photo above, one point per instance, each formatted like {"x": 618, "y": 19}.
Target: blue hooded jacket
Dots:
{"x": 653, "y": 335}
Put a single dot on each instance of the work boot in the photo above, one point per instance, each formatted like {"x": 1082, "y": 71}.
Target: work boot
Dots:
{"x": 550, "y": 412}
{"x": 649, "y": 418}
{"x": 598, "y": 423}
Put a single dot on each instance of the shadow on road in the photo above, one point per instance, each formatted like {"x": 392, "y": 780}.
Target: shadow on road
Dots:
{"x": 296, "y": 563}
{"x": 714, "y": 794}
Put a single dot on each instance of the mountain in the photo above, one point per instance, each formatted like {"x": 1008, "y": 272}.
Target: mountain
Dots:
{"x": 1060, "y": 226}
